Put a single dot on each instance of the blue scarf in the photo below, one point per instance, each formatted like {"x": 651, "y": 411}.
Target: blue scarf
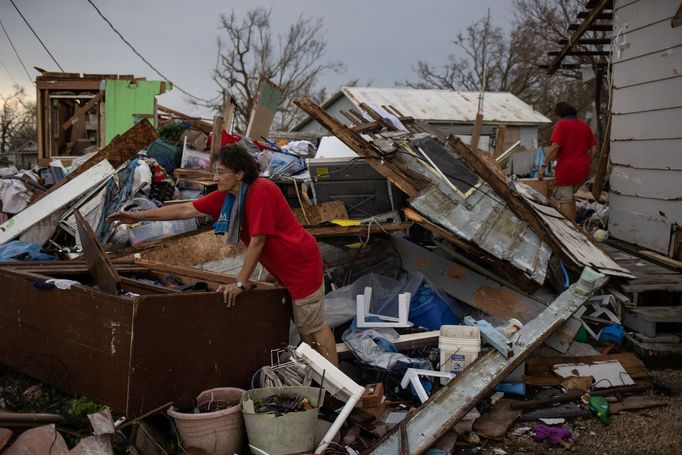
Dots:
{"x": 232, "y": 215}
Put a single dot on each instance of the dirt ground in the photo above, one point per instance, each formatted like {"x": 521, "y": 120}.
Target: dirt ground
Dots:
{"x": 650, "y": 431}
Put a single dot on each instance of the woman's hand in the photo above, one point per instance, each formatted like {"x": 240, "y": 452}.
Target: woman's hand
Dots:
{"x": 230, "y": 293}
{"x": 123, "y": 217}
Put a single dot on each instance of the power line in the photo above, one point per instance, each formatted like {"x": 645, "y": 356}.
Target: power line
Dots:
{"x": 36, "y": 35}
{"x": 17, "y": 53}
{"x": 140, "y": 55}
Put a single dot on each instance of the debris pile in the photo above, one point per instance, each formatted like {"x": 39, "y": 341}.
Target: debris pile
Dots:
{"x": 462, "y": 302}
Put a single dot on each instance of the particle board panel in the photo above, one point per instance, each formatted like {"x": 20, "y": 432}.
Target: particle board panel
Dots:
{"x": 659, "y": 65}
{"x": 226, "y": 345}
{"x": 66, "y": 338}
{"x": 136, "y": 353}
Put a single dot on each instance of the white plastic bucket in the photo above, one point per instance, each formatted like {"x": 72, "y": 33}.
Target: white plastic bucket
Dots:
{"x": 459, "y": 346}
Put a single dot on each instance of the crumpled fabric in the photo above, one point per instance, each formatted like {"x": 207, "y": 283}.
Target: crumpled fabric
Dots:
{"x": 62, "y": 283}
{"x": 117, "y": 193}
{"x": 14, "y": 195}
{"x": 20, "y": 250}
{"x": 367, "y": 344}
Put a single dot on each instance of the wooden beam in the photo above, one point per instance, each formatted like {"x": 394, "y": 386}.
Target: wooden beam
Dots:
{"x": 79, "y": 84}
{"x": 601, "y": 16}
{"x": 587, "y": 41}
{"x": 216, "y": 136}
{"x": 82, "y": 111}
{"x": 593, "y": 27}
{"x": 476, "y": 133}
{"x": 362, "y": 230}
{"x": 358, "y": 144}
{"x": 602, "y": 167}
{"x": 499, "y": 140}
{"x": 99, "y": 265}
{"x": 228, "y": 114}
{"x": 580, "y": 31}
{"x": 581, "y": 53}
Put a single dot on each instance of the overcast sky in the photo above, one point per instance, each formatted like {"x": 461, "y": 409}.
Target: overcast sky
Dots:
{"x": 377, "y": 40}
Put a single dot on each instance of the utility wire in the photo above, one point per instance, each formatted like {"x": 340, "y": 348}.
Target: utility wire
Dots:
{"x": 17, "y": 53}
{"x": 36, "y": 35}
{"x": 140, "y": 55}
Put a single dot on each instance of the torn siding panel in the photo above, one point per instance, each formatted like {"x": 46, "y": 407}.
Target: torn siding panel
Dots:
{"x": 577, "y": 245}
{"x": 647, "y": 183}
{"x": 644, "y": 230}
{"x": 648, "y": 154}
{"x": 656, "y": 124}
{"x": 511, "y": 240}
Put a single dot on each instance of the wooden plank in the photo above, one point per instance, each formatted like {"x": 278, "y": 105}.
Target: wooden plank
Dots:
{"x": 665, "y": 261}
{"x": 649, "y": 67}
{"x": 216, "y": 137}
{"x": 358, "y": 144}
{"x": 80, "y": 113}
{"x": 99, "y": 265}
{"x": 592, "y": 27}
{"x": 340, "y": 231}
{"x": 602, "y": 166}
{"x": 579, "y": 32}
{"x": 80, "y": 84}
{"x": 264, "y": 109}
{"x": 54, "y": 201}
{"x": 540, "y": 370}
{"x": 499, "y": 141}
{"x": 228, "y": 114}
{"x": 645, "y": 40}
{"x": 650, "y": 154}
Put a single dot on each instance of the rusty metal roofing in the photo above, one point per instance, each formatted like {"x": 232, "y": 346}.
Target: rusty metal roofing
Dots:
{"x": 436, "y": 106}
{"x": 468, "y": 207}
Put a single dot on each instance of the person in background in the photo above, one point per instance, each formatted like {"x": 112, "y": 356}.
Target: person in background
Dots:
{"x": 255, "y": 210}
{"x": 574, "y": 146}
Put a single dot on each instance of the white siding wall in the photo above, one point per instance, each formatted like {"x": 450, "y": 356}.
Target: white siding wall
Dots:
{"x": 646, "y": 127}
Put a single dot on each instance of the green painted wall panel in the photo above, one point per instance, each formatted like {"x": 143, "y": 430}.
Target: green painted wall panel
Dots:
{"x": 123, "y": 100}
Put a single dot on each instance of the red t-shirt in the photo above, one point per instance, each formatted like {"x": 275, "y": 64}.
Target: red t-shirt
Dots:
{"x": 574, "y": 138}
{"x": 290, "y": 253}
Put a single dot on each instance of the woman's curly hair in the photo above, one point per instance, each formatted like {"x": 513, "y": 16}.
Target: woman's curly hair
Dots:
{"x": 235, "y": 157}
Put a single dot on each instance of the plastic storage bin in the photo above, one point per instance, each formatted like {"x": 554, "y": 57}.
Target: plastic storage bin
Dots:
{"x": 156, "y": 230}
{"x": 430, "y": 311}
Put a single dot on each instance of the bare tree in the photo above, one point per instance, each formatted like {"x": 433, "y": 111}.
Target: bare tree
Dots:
{"x": 17, "y": 120}
{"x": 510, "y": 61}
{"x": 294, "y": 61}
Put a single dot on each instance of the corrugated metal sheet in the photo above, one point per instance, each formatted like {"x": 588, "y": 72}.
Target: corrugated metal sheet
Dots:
{"x": 492, "y": 226}
{"x": 471, "y": 210}
{"x": 449, "y": 106}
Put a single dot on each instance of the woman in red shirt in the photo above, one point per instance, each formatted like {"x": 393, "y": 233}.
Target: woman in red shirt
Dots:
{"x": 254, "y": 210}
